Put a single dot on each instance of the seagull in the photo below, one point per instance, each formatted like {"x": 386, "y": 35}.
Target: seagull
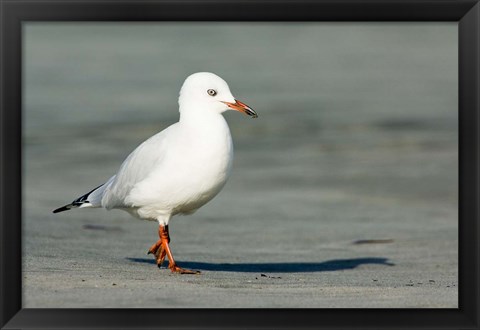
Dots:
{"x": 177, "y": 170}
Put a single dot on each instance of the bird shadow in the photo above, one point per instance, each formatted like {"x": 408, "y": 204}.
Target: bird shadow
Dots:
{"x": 281, "y": 267}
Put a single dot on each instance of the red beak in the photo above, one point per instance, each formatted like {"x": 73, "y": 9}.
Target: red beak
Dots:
{"x": 242, "y": 107}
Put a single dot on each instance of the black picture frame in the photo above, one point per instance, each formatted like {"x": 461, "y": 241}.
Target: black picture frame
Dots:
{"x": 14, "y": 13}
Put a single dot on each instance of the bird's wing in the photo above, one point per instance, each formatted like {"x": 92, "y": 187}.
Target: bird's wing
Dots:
{"x": 137, "y": 166}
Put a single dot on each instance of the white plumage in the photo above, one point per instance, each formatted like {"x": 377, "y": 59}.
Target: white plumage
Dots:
{"x": 181, "y": 168}
{"x": 177, "y": 170}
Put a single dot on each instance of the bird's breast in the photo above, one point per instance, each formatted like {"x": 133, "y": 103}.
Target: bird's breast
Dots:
{"x": 194, "y": 171}
{"x": 210, "y": 155}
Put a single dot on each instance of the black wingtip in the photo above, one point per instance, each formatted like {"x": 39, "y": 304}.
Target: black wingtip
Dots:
{"x": 63, "y": 208}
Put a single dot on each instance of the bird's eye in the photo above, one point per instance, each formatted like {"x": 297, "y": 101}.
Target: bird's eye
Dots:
{"x": 212, "y": 92}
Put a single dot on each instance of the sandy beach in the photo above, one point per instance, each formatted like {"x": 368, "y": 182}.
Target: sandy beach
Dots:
{"x": 344, "y": 192}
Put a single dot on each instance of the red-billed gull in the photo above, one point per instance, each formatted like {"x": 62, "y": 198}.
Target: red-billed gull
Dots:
{"x": 177, "y": 170}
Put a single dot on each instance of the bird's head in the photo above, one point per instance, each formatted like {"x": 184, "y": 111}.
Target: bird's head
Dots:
{"x": 207, "y": 92}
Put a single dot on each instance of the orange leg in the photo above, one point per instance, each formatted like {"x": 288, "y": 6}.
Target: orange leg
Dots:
{"x": 161, "y": 249}
{"x": 159, "y": 252}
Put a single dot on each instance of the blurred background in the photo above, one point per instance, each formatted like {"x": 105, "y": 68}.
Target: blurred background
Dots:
{"x": 351, "y": 163}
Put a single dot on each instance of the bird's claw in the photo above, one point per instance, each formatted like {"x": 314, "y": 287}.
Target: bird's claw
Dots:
{"x": 178, "y": 270}
{"x": 158, "y": 250}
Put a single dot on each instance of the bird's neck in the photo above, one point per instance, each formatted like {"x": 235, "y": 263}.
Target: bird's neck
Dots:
{"x": 201, "y": 119}
{"x": 207, "y": 130}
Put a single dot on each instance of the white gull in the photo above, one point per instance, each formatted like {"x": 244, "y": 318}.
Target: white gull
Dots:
{"x": 177, "y": 170}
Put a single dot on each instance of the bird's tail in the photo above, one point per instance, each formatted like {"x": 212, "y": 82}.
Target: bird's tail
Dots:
{"x": 63, "y": 208}
{"x": 73, "y": 205}
{"x": 79, "y": 202}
